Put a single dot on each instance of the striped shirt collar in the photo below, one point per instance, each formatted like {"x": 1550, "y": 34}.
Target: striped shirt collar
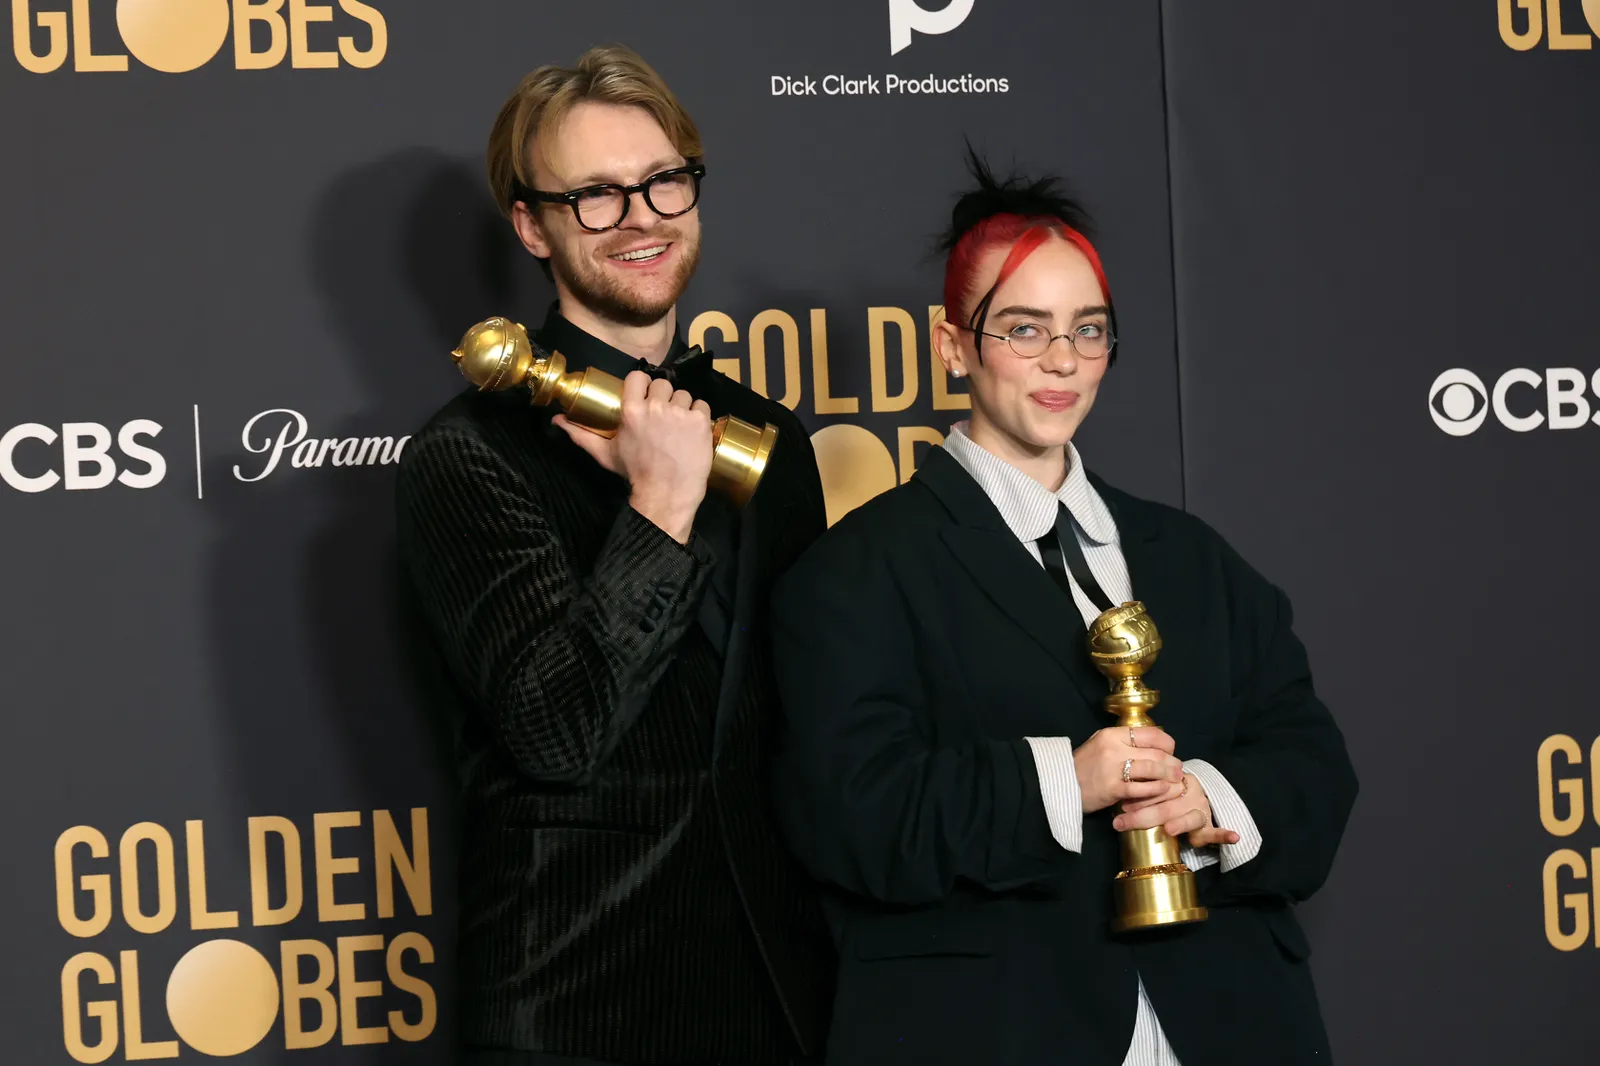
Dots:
{"x": 1028, "y": 508}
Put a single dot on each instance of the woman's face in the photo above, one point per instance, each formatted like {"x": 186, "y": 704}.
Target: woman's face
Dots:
{"x": 1027, "y": 406}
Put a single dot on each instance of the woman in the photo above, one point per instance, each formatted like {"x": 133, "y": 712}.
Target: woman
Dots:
{"x": 948, "y": 770}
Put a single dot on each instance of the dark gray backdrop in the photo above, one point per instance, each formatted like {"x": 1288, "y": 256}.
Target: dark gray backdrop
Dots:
{"x": 1362, "y": 200}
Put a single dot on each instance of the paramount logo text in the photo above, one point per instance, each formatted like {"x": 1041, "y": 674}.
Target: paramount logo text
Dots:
{"x": 290, "y": 438}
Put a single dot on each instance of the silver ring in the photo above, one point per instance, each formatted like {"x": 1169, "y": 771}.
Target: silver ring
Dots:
{"x": 1132, "y": 743}
{"x": 1127, "y": 771}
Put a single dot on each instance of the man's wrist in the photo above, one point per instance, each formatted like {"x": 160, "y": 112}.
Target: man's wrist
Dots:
{"x": 671, "y": 516}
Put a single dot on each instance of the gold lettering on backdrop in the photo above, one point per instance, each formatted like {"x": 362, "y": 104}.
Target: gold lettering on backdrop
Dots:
{"x": 391, "y": 858}
{"x": 1577, "y": 903}
{"x": 790, "y": 332}
{"x": 351, "y": 992}
{"x": 1528, "y": 38}
{"x": 222, "y": 998}
{"x": 83, "y": 55}
{"x": 943, "y": 398}
{"x": 878, "y": 321}
{"x": 329, "y": 867}
{"x": 1594, "y": 780}
{"x": 301, "y": 14}
{"x": 724, "y": 325}
{"x": 318, "y": 990}
{"x": 246, "y": 12}
{"x": 261, "y": 910}
{"x": 173, "y": 36}
{"x": 1570, "y": 787}
{"x": 855, "y": 467}
{"x": 1591, "y": 13}
{"x": 200, "y": 917}
{"x": 821, "y": 387}
{"x": 97, "y": 885}
{"x": 54, "y": 25}
{"x": 1560, "y": 40}
{"x": 909, "y": 436}
{"x": 395, "y": 962}
{"x": 380, "y": 36}
{"x": 101, "y": 1011}
{"x": 135, "y": 1048}
{"x": 166, "y": 882}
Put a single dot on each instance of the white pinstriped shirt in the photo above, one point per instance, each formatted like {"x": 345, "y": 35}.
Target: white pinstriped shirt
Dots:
{"x": 1029, "y": 511}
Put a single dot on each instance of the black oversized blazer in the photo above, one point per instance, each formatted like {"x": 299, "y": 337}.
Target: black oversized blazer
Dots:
{"x": 917, "y": 645}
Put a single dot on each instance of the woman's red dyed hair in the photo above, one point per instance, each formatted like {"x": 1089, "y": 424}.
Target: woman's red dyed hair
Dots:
{"x": 1023, "y": 234}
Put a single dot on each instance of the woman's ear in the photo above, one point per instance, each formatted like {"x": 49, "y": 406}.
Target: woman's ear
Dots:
{"x": 948, "y": 347}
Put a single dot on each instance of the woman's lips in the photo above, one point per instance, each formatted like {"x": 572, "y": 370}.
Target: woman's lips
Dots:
{"x": 1052, "y": 400}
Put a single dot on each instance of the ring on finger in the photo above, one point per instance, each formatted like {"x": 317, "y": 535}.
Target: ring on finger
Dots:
{"x": 1127, "y": 771}
{"x": 1132, "y": 743}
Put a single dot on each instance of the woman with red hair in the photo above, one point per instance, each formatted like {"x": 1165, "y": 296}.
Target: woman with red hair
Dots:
{"x": 946, "y": 769}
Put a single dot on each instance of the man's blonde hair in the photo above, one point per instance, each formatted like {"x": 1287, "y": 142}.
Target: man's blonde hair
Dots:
{"x": 609, "y": 75}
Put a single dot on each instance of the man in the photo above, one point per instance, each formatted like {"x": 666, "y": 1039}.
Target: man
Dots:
{"x": 602, "y": 621}
{"x": 953, "y": 775}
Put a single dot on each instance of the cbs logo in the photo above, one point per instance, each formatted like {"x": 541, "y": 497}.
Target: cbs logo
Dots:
{"x": 86, "y": 457}
{"x": 174, "y": 36}
{"x": 908, "y": 15}
{"x": 1460, "y": 403}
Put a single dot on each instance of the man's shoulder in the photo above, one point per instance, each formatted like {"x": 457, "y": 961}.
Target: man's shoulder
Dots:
{"x": 476, "y": 421}
{"x": 742, "y": 401}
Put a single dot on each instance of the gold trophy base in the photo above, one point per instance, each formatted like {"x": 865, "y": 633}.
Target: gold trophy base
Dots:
{"x": 740, "y": 457}
{"x": 1155, "y": 887}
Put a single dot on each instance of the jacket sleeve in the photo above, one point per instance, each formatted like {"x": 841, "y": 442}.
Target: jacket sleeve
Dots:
{"x": 560, "y": 664}
{"x": 868, "y": 801}
{"x": 1287, "y": 761}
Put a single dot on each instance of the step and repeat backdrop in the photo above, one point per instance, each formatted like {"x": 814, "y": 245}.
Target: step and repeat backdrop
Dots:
{"x": 1354, "y": 260}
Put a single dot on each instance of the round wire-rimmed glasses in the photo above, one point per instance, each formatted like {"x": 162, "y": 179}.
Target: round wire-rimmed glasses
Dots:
{"x": 1089, "y": 340}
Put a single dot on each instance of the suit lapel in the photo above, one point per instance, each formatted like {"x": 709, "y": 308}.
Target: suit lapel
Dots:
{"x": 1163, "y": 580}
{"x": 744, "y": 603}
{"x": 988, "y": 550}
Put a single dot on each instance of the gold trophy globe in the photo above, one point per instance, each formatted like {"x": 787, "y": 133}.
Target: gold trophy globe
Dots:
{"x": 496, "y": 354}
{"x": 1154, "y": 888}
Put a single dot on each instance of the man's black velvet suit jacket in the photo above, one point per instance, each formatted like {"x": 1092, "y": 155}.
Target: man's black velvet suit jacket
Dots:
{"x": 625, "y": 896}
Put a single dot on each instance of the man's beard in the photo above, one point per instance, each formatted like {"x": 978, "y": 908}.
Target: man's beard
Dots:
{"x": 607, "y": 297}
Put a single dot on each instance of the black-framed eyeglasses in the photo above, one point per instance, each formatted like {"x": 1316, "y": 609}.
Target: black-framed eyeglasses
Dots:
{"x": 1089, "y": 340}
{"x": 597, "y": 208}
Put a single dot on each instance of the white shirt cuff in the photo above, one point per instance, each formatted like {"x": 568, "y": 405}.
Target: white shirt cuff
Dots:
{"x": 1227, "y": 811}
{"x": 1058, "y": 784}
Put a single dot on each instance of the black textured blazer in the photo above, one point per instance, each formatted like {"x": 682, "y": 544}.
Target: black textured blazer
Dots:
{"x": 918, "y": 643}
{"x": 624, "y": 894}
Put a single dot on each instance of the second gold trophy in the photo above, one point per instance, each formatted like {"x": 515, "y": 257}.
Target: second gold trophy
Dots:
{"x": 1155, "y": 888}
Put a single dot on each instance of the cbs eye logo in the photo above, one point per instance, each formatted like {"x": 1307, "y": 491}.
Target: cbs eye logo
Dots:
{"x": 1458, "y": 402}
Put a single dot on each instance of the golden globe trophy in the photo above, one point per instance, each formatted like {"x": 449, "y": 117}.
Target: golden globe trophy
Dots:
{"x": 1154, "y": 888}
{"x": 497, "y": 354}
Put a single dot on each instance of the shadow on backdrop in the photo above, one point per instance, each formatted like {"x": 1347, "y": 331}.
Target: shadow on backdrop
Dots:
{"x": 312, "y": 639}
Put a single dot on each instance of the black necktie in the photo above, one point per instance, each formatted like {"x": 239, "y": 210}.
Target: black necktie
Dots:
{"x": 1063, "y": 540}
